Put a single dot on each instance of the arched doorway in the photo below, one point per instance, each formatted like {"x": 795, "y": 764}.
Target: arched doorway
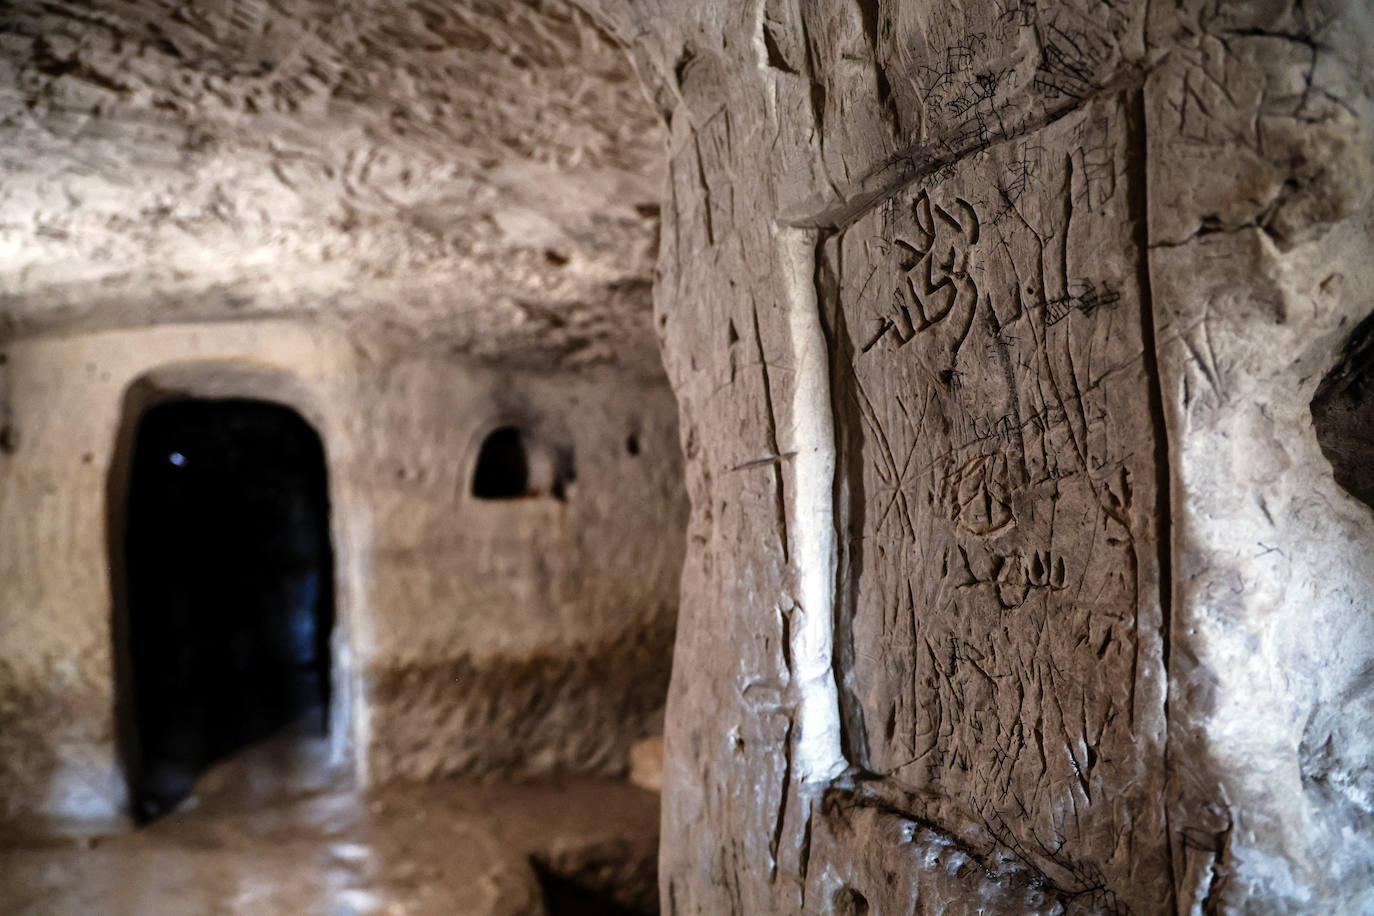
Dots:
{"x": 229, "y": 576}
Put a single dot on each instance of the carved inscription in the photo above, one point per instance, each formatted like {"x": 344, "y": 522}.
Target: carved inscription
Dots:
{"x": 996, "y": 550}
{"x": 936, "y": 266}
{"x": 979, "y": 493}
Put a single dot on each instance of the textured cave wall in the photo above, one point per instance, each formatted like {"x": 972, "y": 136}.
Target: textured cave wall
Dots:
{"x": 412, "y": 221}
{"x": 520, "y": 637}
{"x": 1017, "y": 580}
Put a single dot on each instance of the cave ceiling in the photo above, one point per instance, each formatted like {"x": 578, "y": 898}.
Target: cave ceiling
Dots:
{"x": 475, "y": 178}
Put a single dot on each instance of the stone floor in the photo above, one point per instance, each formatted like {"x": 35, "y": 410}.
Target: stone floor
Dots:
{"x": 453, "y": 848}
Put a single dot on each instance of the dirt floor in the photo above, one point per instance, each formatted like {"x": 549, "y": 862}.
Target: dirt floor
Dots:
{"x": 240, "y": 847}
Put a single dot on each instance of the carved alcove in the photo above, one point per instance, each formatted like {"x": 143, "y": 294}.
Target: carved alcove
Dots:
{"x": 512, "y": 463}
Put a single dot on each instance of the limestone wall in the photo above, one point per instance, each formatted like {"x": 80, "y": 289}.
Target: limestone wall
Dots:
{"x": 525, "y": 636}
{"x": 1017, "y": 579}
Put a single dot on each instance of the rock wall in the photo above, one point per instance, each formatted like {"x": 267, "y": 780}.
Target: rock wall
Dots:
{"x": 521, "y": 637}
{"x": 1017, "y": 580}
{"x": 411, "y": 222}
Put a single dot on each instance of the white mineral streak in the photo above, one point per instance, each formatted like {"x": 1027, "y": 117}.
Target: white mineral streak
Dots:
{"x": 817, "y": 756}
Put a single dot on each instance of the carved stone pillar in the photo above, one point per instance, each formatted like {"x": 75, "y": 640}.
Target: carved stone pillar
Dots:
{"x": 1017, "y": 578}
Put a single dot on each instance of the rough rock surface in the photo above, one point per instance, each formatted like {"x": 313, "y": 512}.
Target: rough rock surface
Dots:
{"x": 473, "y": 177}
{"x": 1027, "y": 588}
{"x": 431, "y": 849}
{"x": 1015, "y": 345}
{"x": 413, "y": 223}
{"x": 519, "y": 637}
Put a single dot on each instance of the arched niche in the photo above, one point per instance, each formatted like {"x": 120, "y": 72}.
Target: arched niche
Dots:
{"x": 516, "y": 459}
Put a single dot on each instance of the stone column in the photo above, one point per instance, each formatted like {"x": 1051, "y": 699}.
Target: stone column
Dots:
{"x": 1017, "y": 578}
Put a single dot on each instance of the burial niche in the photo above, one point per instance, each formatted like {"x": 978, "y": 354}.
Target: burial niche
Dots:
{"x": 229, "y": 578}
{"x": 512, "y": 465}
{"x": 503, "y": 467}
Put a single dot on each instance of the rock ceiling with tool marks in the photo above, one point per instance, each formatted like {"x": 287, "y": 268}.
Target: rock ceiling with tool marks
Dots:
{"x": 478, "y": 177}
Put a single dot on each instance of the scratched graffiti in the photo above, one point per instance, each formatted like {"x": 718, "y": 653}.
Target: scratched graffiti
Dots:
{"x": 1068, "y": 62}
{"x": 979, "y": 495}
{"x": 999, "y": 542}
{"x": 1084, "y": 297}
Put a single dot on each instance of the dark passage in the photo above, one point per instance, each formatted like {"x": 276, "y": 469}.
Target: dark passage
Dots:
{"x": 613, "y": 885}
{"x": 230, "y": 587}
{"x": 1343, "y": 414}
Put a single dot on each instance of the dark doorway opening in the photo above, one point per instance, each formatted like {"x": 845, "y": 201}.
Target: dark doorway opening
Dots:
{"x": 229, "y": 588}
